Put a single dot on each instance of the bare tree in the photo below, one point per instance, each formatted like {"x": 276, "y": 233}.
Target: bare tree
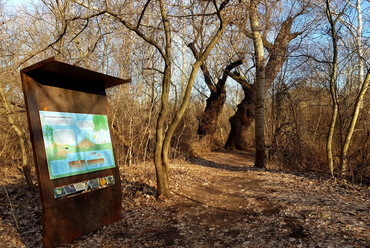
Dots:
{"x": 267, "y": 66}
{"x": 199, "y": 61}
{"x": 363, "y": 82}
{"x": 215, "y": 73}
{"x": 333, "y": 84}
{"x": 163, "y": 45}
{"x": 214, "y": 103}
{"x": 8, "y": 100}
{"x": 25, "y": 167}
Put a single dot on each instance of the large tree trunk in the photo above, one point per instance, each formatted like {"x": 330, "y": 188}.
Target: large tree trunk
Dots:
{"x": 214, "y": 104}
{"x": 209, "y": 118}
{"x": 260, "y": 83}
{"x": 241, "y": 122}
{"x": 277, "y": 56}
{"x": 243, "y": 118}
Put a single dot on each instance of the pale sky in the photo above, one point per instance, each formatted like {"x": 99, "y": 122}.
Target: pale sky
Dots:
{"x": 15, "y": 2}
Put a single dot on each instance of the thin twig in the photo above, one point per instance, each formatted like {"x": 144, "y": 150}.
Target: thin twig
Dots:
{"x": 12, "y": 209}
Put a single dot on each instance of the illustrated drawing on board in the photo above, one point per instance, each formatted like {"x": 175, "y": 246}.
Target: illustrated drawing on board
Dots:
{"x": 76, "y": 143}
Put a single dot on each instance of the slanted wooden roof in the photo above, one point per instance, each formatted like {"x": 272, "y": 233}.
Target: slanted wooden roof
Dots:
{"x": 54, "y": 73}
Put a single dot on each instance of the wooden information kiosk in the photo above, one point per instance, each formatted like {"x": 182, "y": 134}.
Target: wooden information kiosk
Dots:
{"x": 77, "y": 173}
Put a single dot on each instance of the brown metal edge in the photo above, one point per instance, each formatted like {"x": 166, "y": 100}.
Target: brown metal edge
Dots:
{"x": 35, "y": 154}
{"x": 105, "y": 78}
{"x": 38, "y": 65}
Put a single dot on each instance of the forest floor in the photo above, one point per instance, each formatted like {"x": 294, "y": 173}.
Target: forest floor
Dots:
{"x": 217, "y": 200}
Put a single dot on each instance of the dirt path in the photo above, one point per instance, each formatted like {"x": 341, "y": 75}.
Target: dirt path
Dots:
{"x": 218, "y": 200}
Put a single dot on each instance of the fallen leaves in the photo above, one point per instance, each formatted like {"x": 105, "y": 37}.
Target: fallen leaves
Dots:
{"x": 216, "y": 201}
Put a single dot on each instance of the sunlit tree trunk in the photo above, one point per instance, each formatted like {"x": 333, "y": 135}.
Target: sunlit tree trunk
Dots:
{"x": 277, "y": 55}
{"x": 214, "y": 103}
{"x": 244, "y": 116}
{"x": 332, "y": 88}
{"x": 259, "y": 85}
{"x": 160, "y": 157}
{"x": 364, "y": 82}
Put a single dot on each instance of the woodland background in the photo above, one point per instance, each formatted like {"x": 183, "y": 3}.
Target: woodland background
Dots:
{"x": 304, "y": 63}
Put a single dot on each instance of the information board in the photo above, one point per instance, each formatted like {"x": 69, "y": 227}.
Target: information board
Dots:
{"x": 76, "y": 143}
{"x": 78, "y": 177}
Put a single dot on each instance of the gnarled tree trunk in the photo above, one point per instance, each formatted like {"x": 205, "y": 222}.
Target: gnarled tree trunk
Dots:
{"x": 215, "y": 103}
{"x": 243, "y": 118}
{"x": 265, "y": 73}
{"x": 209, "y": 118}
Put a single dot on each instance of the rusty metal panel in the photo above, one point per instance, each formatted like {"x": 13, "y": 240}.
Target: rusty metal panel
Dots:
{"x": 52, "y": 72}
{"x": 54, "y": 86}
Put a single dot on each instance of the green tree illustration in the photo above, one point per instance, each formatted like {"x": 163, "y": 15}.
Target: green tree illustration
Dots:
{"x": 48, "y": 134}
{"x": 100, "y": 123}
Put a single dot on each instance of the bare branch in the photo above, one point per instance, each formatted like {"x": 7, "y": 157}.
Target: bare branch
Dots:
{"x": 142, "y": 14}
{"x": 60, "y": 36}
{"x": 207, "y": 75}
{"x": 127, "y": 24}
{"x": 153, "y": 69}
{"x": 85, "y": 26}
{"x": 240, "y": 79}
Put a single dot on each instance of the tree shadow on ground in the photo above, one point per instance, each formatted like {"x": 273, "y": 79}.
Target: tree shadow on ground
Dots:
{"x": 223, "y": 166}
{"x": 131, "y": 188}
{"x": 231, "y": 160}
{"x": 243, "y": 161}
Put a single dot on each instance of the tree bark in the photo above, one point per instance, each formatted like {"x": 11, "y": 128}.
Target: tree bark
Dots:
{"x": 364, "y": 82}
{"x": 160, "y": 157}
{"x": 277, "y": 56}
{"x": 214, "y": 104}
{"x": 209, "y": 118}
{"x": 260, "y": 84}
{"x": 333, "y": 89}
{"x": 243, "y": 118}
